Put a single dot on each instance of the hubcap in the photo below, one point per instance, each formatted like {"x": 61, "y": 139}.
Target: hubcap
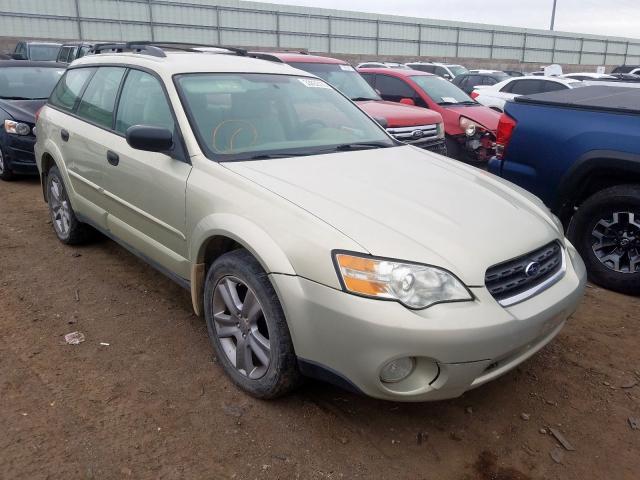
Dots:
{"x": 60, "y": 210}
{"x": 616, "y": 242}
{"x": 241, "y": 327}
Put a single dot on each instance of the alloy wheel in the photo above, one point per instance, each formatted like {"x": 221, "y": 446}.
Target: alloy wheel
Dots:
{"x": 616, "y": 242}
{"x": 60, "y": 208}
{"x": 241, "y": 327}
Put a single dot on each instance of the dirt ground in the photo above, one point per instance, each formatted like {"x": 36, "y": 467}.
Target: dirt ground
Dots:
{"x": 153, "y": 403}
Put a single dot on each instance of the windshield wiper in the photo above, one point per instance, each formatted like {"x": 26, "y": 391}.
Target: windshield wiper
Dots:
{"x": 359, "y": 146}
{"x": 18, "y": 98}
{"x": 269, "y": 156}
{"x": 363, "y": 99}
{"x": 339, "y": 148}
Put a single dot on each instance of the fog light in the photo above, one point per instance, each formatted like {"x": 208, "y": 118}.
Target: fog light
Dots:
{"x": 397, "y": 370}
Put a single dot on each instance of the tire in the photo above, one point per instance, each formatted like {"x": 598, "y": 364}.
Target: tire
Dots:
{"x": 6, "y": 173}
{"x": 606, "y": 232}
{"x": 240, "y": 332}
{"x": 68, "y": 228}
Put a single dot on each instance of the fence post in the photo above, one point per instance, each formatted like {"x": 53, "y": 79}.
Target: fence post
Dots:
{"x": 330, "y": 33}
{"x": 377, "y": 37}
{"x": 493, "y": 35}
{"x": 524, "y": 46}
{"x": 457, "y": 41}
{"x": 277, "y": 29}
{"x": 581, "y": 50}
{"x": 80, "y": 35}
{"x": 219, "y": 41}
{"x": 150, "y": 19}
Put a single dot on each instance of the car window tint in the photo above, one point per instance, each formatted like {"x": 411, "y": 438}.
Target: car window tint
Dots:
{"x": 393, "y": 88}
{"x": 83, "y": 51}
{"x": 441, "y": 71}
{"x": 143, "y": 102}
{"x": 526, "y": 87}
{"x": 99, "y": 98}
{"x": 370, "y": 78}
{"x": 69, "y": 88}
{"x": 546, "y": 86}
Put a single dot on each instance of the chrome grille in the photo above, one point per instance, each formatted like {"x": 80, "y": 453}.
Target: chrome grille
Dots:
{"x": 522, "y": 277}
{"x": 416, "y": 134}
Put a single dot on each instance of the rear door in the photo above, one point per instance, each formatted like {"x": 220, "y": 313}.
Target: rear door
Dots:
{"x": 145, "y": 192}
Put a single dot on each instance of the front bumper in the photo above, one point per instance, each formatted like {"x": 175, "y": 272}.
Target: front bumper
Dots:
{"x": 458, "y": 346}
{"x": 18, "y": 153}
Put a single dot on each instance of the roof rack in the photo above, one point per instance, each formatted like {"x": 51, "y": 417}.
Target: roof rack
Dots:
{"x": 157, "y": 49}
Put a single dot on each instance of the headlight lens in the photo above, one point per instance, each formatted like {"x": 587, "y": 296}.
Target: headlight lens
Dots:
{"x": 16, "y": 128}
{"x": 440, "y": 130}
{"x": 469, "y": 126}
{"x": 415, "y": 286}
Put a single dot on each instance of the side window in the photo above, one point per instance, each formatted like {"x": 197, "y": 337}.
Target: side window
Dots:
{"x": 526, "y": 87}
{"x": 83, "y": 51}
{"x": 143, "y": 102}
{"x": 427, "y": 68}
{"x": 69, "y": 88}
{"x": 547, "y": 86}
{"x": 508, "y": 87}
{"x": 441, "y": 72}
{"x": 489, "y": 81}
{"x": 393, "y": 89}
{"x": 98, "y": 100}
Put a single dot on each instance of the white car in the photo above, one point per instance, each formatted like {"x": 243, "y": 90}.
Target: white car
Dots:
{"x": 380, "y": 65}
{"x": 588, "y": 76}
{"x": 444, "y": 70}
{"x": 495, "y": 96}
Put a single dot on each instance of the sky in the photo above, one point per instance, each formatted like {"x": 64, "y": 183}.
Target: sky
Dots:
{"x": 619, "y": 18}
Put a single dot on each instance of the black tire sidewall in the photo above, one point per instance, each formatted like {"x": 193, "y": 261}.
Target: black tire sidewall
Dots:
{"x": 7, "y": 174}
{"x": 597, "y": 207}
{"x": 282, "y": 371}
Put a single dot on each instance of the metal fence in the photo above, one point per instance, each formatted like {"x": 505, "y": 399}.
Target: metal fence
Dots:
{"x": 255, "y": 24}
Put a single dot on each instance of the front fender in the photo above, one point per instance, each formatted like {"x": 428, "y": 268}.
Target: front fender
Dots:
{"x": 246, "y": 233}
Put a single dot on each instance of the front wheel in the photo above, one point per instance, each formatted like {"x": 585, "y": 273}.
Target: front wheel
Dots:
{"x": 606, "y": 232}
{"x": 6, "y": 173}
{"x": 247, "y": 327}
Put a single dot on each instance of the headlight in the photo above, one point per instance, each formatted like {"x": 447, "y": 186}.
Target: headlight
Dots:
{"x": 16, "y": 128}
{"x": 415, "y": 286}
{"x": 440, "y": 130}
{"x": 469, "y": 126}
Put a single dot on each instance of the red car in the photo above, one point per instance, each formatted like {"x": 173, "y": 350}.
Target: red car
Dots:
{"x": 470, "y": 127}
{"x": 416, "y": 126}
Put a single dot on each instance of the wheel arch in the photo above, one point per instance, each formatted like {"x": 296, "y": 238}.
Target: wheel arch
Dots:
{"x": 48, "y": 158}
{"x": 592, "y": 172}
{"x": 220, "y": 233}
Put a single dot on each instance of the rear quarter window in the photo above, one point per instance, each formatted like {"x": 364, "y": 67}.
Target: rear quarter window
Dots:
{"x": 68, "y": 90}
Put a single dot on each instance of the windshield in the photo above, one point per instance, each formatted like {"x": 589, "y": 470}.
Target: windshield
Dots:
{"x": 249, "y": 116}
{"x": 441, "y": 91}
{"x": 457, "y": 69}
{"x": 342, "y": 77}
{"x": 43, "y": 52}
{"x": 26, "y": 83}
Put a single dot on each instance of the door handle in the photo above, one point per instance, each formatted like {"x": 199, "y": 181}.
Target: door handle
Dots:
{"x": 64, "y": 135}
{"x": 113, "y": 158}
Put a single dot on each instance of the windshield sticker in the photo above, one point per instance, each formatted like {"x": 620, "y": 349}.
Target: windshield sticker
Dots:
{"x": 313, "y": 83}
{"x": 449, "y": 99}
{"x": 347, "y": 68}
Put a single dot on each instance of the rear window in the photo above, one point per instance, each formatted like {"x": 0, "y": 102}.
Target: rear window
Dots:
{"x": 70, "y": 87}
{"x": 27, "y": 83}
{"x": 43, "y": 52}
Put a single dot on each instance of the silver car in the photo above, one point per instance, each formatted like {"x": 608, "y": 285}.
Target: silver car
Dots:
{"x": 312, "y": 242}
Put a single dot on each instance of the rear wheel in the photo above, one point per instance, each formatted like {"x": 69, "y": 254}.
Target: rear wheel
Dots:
{"x": 606, "y": 232}
{"x": 68, "y": 228}
{"x": 6, "y": 173}
{"x": 247, "y": 327}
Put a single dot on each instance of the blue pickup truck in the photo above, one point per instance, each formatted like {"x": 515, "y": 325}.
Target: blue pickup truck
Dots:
{"x": 579, "y": 151}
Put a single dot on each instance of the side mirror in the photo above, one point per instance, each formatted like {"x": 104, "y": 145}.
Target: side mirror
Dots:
{"x": 149, "y": 139}
{"x": 408, "y": 101}
{"x": 382, "y": 121}
{"x": 447, "y": 76}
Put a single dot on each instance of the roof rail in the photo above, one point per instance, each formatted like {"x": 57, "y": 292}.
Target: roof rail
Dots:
{"x": 265, "y": 56}
{"x": 157, "y": 49}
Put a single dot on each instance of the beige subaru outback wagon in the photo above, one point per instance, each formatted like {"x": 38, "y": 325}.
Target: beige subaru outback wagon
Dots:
{"x": 312, "y": 242}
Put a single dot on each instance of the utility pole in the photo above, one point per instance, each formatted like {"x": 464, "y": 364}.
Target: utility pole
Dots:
{"x": 553, "y": 14}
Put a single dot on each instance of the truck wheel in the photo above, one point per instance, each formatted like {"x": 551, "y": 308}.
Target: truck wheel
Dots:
{"x": 5, "y": 172}
{"x": 68, "y": 228}
{"x": 606, "y": 232}
{"x": 247, "y": 327}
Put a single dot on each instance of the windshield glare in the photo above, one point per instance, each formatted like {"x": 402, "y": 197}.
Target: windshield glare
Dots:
{"x": 28, "y": 82}
{"x": 457, "y": 69}
{"x": 241, "y": 116}
{"x": 342, "y": 77}
{"x": 440, "y": 90}
{"x": 43, "y": 52}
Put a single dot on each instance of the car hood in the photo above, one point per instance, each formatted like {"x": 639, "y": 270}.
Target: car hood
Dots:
{"x": 399, "y": 115}
{"x": 485, "y": 116}
{"x": 406, "y": 203}
{"x": 22, "y": 110}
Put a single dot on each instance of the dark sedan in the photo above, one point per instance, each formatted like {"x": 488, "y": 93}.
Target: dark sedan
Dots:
{"x": 24, "y": 88}
{"x": 468, "y": 81}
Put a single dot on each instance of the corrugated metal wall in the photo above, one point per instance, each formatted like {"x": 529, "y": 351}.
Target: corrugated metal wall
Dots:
{"x": 233, "y": 22}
